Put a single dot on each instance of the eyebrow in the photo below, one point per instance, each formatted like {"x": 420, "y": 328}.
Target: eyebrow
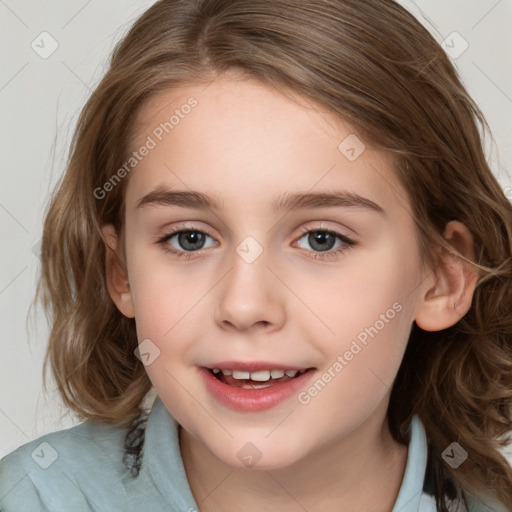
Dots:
{"x": 162, "y": 196}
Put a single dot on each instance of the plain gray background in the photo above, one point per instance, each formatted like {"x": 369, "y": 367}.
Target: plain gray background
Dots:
{"x": 40, "y": 99}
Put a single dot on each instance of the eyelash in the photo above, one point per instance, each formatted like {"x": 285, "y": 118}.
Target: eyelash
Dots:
{"x": 323, "y": 255}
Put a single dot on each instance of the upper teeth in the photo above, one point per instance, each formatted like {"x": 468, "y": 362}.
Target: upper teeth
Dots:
{"x": 261, "y": 375}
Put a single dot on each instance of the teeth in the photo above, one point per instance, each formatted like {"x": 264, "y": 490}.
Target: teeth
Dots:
{"x": 256, "y": 386}
{"x": 259, "y": 376}
{"x": 237, "y": 374}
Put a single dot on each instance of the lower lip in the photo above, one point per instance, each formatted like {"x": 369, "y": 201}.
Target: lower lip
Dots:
{"x": 253, "y": 400}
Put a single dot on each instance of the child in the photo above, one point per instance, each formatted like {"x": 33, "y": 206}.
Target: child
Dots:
{"x": 278, "y": 215}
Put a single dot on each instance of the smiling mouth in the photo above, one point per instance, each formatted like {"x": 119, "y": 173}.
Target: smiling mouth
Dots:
{"x": 255, "y": 380}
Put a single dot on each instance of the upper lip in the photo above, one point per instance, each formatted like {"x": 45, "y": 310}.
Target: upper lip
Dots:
{"x": 253, "y": 366}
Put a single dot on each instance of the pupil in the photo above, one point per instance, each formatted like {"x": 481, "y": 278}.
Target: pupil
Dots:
{"x": 189, "y": 239}
{"x": 319, "y": 239}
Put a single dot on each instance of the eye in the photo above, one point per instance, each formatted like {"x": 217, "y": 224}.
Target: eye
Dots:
{"x": 324, "y": 240}
{"x": 188, "y": 240}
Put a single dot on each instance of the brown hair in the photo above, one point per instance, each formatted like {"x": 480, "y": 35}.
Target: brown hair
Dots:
{"x": 369, "y": 62}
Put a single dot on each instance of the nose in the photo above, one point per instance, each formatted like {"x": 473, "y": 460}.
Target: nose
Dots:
{"x": 250, "y": 296}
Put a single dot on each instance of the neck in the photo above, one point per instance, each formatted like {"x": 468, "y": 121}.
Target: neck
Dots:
{"x": 360, "y": 472}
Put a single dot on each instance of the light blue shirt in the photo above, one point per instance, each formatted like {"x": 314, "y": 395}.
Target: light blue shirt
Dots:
{"x": 80, "y": 469}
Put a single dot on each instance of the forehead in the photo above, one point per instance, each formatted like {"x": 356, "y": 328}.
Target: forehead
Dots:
{"x": 243, "y": 141}
{"x": 230, "y": 95}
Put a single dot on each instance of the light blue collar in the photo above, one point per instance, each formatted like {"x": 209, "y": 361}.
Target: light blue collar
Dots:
{"x": 409, "y": 496}
{"x": 162, "y": 458}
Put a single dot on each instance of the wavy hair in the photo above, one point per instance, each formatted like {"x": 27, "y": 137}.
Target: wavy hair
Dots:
{"x": 370, "y": 62}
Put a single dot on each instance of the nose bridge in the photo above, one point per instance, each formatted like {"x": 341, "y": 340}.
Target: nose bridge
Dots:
{"x": 250, "y": 293}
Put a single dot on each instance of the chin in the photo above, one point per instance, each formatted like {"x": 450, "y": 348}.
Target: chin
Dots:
{"x": 254, "y": 455}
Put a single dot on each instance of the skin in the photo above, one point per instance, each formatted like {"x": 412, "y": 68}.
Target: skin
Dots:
{"x": 247, "y": 144}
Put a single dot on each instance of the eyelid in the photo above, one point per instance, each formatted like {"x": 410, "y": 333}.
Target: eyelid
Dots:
{"x": 309, "y": 226}
{"x": 185, "y": 226}
{"x": 323, "y": 225}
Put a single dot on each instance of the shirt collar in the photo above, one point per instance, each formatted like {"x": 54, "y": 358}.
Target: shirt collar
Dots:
{"x": 409, "y": 496}
{"x": 162, "y": 459}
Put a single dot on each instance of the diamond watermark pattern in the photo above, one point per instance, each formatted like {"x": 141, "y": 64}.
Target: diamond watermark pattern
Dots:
{"x": 249, "y": 455}
{"x": 44, "y": 45}
{"x": 352, "y": 147}
{"x": 36, "y": 249}
{"x": 147, "y": 352}
{"x": 455, "y": 45}
{"x": 249, "y": 249}
{"x": 454, "y": 455}
{"x": 45, "y": 455}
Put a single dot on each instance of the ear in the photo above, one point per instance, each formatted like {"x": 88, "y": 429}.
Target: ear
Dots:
{"x": 448, "y": 292}
{"x": 117, "y": 277}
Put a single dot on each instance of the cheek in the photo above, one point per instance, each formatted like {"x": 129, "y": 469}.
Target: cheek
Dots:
{"x": 362, "y": 358}
{"x": 368, "y": 288}
{"x": 381, "y": 315}
{"x": 368, "y": 309}
{"x": 165, "y": 295}
{"x": 167, "y": 307}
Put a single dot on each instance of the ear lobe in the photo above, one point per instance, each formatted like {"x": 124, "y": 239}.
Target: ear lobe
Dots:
{"x": 117, "y": 278}
{"x": 450, "y": 292}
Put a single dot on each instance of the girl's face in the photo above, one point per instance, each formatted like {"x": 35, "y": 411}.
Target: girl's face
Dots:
{"x": 263, "y": 279}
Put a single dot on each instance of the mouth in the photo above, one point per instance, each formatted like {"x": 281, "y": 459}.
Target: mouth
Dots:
{"x": 259, "y": 379}
{"x": 252, "y": 387}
